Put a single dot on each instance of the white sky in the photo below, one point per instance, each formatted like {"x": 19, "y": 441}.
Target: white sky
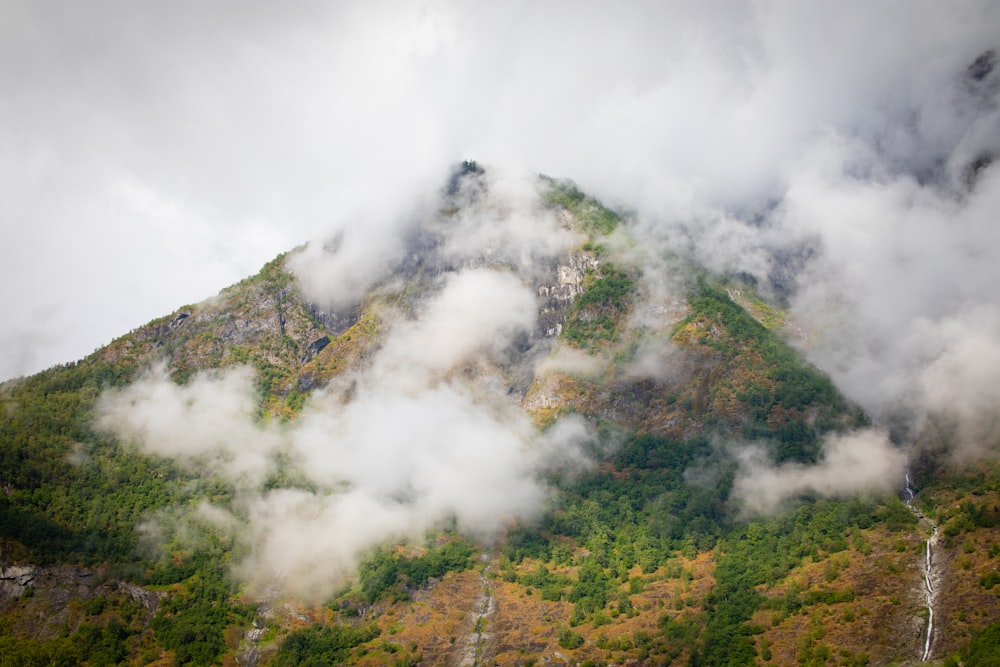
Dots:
{"x": 152, "y": 153}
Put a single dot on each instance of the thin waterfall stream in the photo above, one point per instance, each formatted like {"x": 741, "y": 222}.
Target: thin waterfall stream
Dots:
{"x": 930, "y": 590}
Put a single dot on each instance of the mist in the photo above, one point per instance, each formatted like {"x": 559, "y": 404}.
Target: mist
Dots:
{"x": 146, "y": 173}
{"x": 899, "y": 303}
{"x": 860, "y": 462}
{"x": 419, "y": 446}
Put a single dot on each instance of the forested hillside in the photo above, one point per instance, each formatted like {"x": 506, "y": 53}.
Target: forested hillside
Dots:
{"x": 620, "y": 473}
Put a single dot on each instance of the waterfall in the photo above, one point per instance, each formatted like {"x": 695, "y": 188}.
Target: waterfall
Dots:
{"x": 929, "y": 591}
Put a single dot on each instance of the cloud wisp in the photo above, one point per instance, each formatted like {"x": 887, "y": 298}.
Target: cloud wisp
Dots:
{"x": 850, "y": 464}
{"x": 417, "y": 446}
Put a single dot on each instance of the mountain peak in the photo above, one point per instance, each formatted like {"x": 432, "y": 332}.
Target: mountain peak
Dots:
{"x": 511, "y": 436}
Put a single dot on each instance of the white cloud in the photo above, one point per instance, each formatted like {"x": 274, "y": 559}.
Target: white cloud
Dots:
{"x": 850, "y": 464}
{"x": 208, "y": 422}
{"x": 253, "y": 122}
{"x": 416, "y": 446}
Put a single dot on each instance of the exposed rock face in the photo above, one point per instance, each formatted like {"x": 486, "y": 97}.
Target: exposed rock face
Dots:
{"x": 567, "y": 283}
{"x": 56, "y": 594}
{"x": 149, "y": 600}
{"x": 15, "y": 580}
{"x": 317, "y": 345}
{"x": 265, "y": 315}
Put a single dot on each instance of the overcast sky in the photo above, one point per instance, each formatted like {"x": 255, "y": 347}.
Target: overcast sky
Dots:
{"x": 152, "y": 153}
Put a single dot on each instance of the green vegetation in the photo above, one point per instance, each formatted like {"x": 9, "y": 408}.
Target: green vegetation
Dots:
{"x": 984, "y": 649}
{"x": 651, "y": 515}
{"x": 827, "y": 597}
{"x": 34, "y": 653}
{"x": 192, "y": 622}
{"x": 551, "y": 586}
{"x": 569, "y": 639}
{"x": 194, "y": 633}
{"x": 597, "y": 316}
{"x": 104, "y": 644}
{"x": 386, "y": 571}
{"x": 103, "y": 639}
{"x": 786, "y": 400}
{"x": 73, "y": 495}
{"x": 70, "y": 494}
{"x": 595, "y": 219}
{"x": 648, "y": 522}
{"x": 318, "y": 646}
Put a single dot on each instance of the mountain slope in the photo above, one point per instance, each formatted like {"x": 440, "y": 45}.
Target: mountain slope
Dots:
{"x": 510, "y": 444}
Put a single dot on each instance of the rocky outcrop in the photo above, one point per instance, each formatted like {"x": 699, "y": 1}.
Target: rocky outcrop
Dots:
{"x": 15, "y": 580}
{"x": 149, "y": 600}
{"x": 567, "y": 283}
{"x": 51, "y": 600}
{"x": 263, "y": 320}
{"x": 317, "y": 345}
{"x": 569, "y": 278}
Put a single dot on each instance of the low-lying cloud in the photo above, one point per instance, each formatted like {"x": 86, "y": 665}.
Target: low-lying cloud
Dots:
{"x": 849, "y": 464}
{"x": 900, "y": 302}
{"x": 417, "y": 446}
{"x": 207, "y": 422}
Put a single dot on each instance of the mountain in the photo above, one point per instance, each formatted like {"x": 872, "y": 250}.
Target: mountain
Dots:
{"x": 517, "y": 434}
